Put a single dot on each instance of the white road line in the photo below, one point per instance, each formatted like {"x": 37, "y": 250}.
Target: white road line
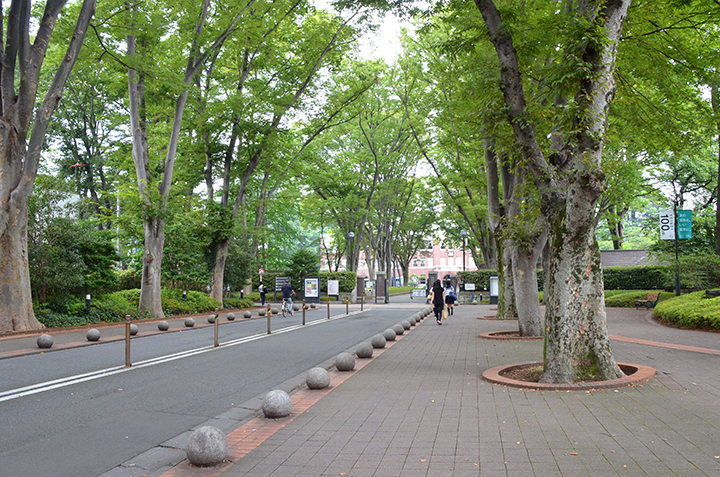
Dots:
{"x": 103, "y": 373}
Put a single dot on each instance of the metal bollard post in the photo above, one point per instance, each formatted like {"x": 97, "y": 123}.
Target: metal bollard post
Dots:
{"x": 304, "y": 307}
{"x": 362, "y": 302}
{"x": 269, "y": 313}
{"x": 328, "y": 308}
{"x": 127, "y": 341}
{"x": 217, "y": 325}
{"x": 347, "y": 307}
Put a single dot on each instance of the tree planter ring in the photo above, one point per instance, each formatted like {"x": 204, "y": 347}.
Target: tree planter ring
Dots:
{"x": 636, "y": 374}
{"x": 506, "y": 335}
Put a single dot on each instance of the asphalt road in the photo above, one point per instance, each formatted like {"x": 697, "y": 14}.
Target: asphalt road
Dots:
{"x": 88, "y": 427}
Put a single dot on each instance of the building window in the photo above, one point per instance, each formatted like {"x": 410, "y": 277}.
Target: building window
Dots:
{"x": 415, "y": 263}
{"x": 422, "y": 262}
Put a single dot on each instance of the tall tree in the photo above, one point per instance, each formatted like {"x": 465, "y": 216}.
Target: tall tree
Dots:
{"x": 155, "y": 205}
{"x": 267, "y": 92}
{"x": 568, "y": 173}
{"x": 22, "y": 63}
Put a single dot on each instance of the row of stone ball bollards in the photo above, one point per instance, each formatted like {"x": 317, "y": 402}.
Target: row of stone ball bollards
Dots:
{"x": 208, "y": 445}
{"x": 46, "y": 341}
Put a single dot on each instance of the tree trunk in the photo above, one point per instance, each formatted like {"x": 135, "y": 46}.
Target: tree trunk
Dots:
{"x": 219, "y": 270}
{"x": 150, "y": 289}
{"x": 16, "y": 312}
{"x": 577, "y": 345}
{"x": 507, "y": 307}
{"x": 715, "y": 101}
{"x": 524, "y": 271}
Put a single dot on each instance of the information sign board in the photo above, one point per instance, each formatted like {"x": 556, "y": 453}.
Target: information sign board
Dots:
{"x": 279, "y": 282}
{"x": 684, "y": 224}
{"x": 333, "y": 287}
{"x": 667, "y": 225}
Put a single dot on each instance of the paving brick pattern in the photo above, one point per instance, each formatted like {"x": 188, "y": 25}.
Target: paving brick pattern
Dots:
{"x": 422, "y": 409}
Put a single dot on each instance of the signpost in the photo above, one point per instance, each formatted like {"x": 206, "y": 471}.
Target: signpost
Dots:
{"x": 680, "y": 229}
{"x": 279, "y": 282}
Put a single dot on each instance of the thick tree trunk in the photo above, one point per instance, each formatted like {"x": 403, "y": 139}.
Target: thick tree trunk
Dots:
{"x": 577, "y": 345}
{"x": 16, "y": 312}
{"x": 219, "y": 270}
{"x": 506, "y": 308}
{"x": 715, "y": 101}
{"x": 150, "y": 291}
{"x": 524, "y": 270}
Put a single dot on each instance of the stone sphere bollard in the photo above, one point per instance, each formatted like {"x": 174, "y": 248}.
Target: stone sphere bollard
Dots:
{"x": 405, "y": 324}
{"x": 230, "y": 316}
{"x": 92, "y": 334}
{"x": 378, "y": 341}
{"x": 276, "y": 404}
{"x": 412, "y": 321}
{"x": 275, "y": 311}
{"x": 312, "y": 305}
{"x": 364, "y": 350}
{"x": 45, "y": 341}
{"x": 247, "y": 314}
{"x": 163, "y": 326}
{"x": 345, "y": 362}
{"x": 134, "y": 330}
{"x": 398, "y": 329}
{"x": 189, "y": 322}
{"x": 262, "y": 311}
{"x": 211, "y": 318}
{"x": 389, "y": 334}
{"x": 317, "y": 378}
{"x": 207, "y": 446}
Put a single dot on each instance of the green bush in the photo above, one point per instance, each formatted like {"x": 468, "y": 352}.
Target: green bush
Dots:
{"x": 649, "y": 277}
{"x": 196, "y": 302}
{"x": 347, "y": 281}
{"x": 694, "y": 310}
{"x": 628, "y": 298}
{"x": 235, "y": 301}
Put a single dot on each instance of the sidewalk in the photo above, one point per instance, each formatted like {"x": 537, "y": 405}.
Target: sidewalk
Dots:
{"x": 421, "y": 408}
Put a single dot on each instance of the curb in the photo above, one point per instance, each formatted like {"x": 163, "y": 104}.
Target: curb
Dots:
{"x": 636, "y": 374}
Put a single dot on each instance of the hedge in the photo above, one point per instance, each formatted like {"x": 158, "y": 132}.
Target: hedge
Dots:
{"x": 649, "y": 277}
{"x": 347, "y": 280}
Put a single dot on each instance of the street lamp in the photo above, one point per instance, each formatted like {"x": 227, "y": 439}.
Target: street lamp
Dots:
{"x": 463, "y": 233}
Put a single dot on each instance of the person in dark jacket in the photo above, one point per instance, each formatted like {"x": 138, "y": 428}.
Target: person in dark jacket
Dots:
{"x": 437, "y": 298}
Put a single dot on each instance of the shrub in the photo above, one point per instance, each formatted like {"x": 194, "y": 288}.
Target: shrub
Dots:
{"x": 627, "y": 299}
{"x": 694, "y": 310}
{"x": 236, "y": 302}
{"x": 650, "y": 277}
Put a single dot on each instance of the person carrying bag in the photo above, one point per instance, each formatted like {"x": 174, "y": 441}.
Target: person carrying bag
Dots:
{"x": 437, "y": 298}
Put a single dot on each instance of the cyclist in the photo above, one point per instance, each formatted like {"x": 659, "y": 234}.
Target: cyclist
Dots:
{"x": 288, "y": 292}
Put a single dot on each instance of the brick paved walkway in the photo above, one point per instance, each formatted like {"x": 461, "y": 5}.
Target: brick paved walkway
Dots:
{"x": 422, "y": 409}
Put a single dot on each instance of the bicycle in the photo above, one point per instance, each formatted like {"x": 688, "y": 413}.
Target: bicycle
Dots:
{"x": 287, "y": 307}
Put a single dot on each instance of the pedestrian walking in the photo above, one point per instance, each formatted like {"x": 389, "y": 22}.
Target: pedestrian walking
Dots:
{"x": 437, "y": 298}
{"x": 450, "y": 297}
{"x": 261, "y": 289}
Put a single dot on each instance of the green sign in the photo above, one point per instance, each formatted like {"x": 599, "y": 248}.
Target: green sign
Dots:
{"x": 684, "y": 224}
